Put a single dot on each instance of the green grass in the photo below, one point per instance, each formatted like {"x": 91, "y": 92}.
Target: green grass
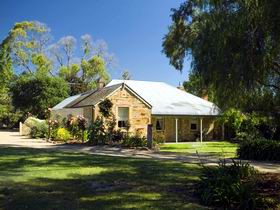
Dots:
{"x": 219, "y": 149}
{"x": 44, "y": 179}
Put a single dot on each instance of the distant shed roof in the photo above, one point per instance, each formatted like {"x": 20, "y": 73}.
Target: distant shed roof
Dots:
{"x": 168, "y": 100}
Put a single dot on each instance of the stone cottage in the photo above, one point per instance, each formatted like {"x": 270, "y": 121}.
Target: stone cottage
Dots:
{"x": 176, "y": 115}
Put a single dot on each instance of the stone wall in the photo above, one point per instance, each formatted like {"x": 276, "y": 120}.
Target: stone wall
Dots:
{"x": 139, "y": 112}
{"x": 184, "y": 131}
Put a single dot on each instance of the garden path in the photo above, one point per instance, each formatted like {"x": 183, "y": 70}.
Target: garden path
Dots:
{"x": 13, "y": 139}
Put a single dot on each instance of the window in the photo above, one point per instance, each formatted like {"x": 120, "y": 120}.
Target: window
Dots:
{"x": 159, "y": 124}
{"x": 123, "y": 117}
{"x": 193, "y": 125}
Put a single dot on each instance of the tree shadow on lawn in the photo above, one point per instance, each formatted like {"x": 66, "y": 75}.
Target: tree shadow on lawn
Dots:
{"x": 42, "y": 179}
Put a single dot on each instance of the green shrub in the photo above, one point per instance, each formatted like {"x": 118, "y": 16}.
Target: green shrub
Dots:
{"x": 117, "y": 135}
{"x": 62, "y": 134}
{"x": 229, "y": 186}
{"x": 39, "y": 129}
{"x": 239, "y": 125}
{"x": 105, "y": 108}
{"x": 32, "y": 121}
{"x": 134, "y": 141}
{"x": 96, "y": 132}
{"x": 259, "y": 149}
{"x": 72, "y": 126}
{"x": 158, "y": 138}
{"x": 10, "y": 119}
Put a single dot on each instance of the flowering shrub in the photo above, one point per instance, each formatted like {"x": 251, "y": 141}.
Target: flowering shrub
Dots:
{"x": 72, "y": 126}
{"x": 52, "y": 129}
{"x": 62, "y": 134}
{"x": 96, "y": 132}
{"x": 82, "y": 122}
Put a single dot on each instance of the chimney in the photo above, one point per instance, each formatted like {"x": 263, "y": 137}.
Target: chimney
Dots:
{"x": 100, "y": 83}
{"x": 181, "y": 87}
{"x": 204, "y": 94}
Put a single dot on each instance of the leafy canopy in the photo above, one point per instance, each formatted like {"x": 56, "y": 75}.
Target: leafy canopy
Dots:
{"x": 29, "y": 49}
{"x": 233, "y": 45}
{"x": 36, "y": 93}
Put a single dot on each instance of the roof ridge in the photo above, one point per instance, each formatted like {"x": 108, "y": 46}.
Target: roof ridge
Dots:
{"x": 132, "y": 80}
{"x": 93, "y": 92}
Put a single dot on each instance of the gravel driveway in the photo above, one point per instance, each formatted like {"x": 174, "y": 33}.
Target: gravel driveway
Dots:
{"x": 13, "y": 139}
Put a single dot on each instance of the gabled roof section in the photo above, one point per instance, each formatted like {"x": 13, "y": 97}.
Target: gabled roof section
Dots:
{"x": 68, "y": 102}
{"x": 168, "y": 100}
{"x": 65, "y": 102}
{"x": 97, "y": 96}
{"x": 81, "y": 97}
{"x": 94, "y": 97}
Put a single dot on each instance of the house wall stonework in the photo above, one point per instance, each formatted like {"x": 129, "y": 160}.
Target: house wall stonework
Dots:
{"x": 210, "y": 130}
{"x": 140, "y": 116}
{"x": 139, "y": 112}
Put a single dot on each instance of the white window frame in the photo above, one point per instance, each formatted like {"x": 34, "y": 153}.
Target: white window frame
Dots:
{"x": 128, "y": 109}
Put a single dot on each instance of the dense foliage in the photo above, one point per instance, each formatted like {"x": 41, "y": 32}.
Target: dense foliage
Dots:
{"x": 105, "y": 107}
{"x": 158, "y": 138}
{"x": 195, "y": 86}
{"x": 134, "y": 141}
{"x": 37, "y": 72}
{"x": 39, "y": 128}
{"x": 36, "y": 93}
{"x": 234, "y": 47}
{"x": 242, "y": 126}
{"x": 259, "y": 149}
{"x": 230, "y": 186}
{"x": 96, "y": 132}
{"x": 8, "y": 118}
{"x": 62, "y": 134}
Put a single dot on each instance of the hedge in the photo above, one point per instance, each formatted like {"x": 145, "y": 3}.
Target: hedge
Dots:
{"x": 259, "y": 149}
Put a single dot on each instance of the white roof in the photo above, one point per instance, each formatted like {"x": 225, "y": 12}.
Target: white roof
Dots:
{"x": 65, "y": 102}
{"x": 168, "y": 100}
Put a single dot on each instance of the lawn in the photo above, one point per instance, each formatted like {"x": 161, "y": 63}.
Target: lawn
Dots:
{"x": 218, "y": 148}
{"x": 44, "y": 179}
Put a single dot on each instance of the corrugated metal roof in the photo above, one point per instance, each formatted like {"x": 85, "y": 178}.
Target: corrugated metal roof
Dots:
{"x": 168, "y": 100}
{"x": 65, "y": 102}
{"x": 95, "y": 97}
{"x": 81, "y": 97}
{"x": 68, "y": 102}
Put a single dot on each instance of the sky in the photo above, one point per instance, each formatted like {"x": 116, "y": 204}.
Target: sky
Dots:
{"x": 133, "y": 30}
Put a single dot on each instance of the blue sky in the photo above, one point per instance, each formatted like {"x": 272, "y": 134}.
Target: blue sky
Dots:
{"x": 133, "y": 29}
